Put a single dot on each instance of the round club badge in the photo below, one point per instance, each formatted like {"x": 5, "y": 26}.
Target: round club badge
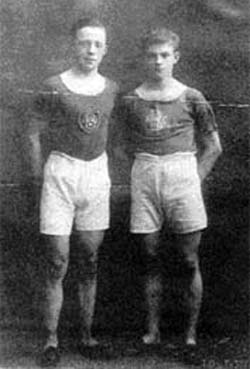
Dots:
{"x": 89, "y": 121}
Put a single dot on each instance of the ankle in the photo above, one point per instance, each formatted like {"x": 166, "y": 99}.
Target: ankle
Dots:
{"x": 191, "y": 337}
{"x": 87, "y": 339}
{"x": 90, "y": 341}
{"x": 52, "y": 341}
{"x": 152, "y": 337}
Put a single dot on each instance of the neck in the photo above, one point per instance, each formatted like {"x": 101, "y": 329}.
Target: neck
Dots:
{"x": 79, "y": 73}
{"x": 160, "y": 84}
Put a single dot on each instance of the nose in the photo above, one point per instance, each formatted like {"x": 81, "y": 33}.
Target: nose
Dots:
{"x": 92, "y": 48}
{"x": 158, "y": 59}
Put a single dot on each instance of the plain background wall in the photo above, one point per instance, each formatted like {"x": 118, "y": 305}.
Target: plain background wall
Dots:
{"x": 215, "y": 59}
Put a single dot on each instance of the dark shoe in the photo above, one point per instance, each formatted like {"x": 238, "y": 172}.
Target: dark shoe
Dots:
{"x": 90, "y": 352}
{"x": 50, "y": 357}
{"x": 192, "y": 356}
{"x": 98, "y": 352}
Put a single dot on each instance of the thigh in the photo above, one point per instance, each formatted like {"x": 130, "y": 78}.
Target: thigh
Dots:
{"x": 56, "y": 207}
{"x": 93, "y": 198}
{"x": 185, "y": 209}
{"x": 94, "y": 215}
{"x": 89, "y": 242}
{"x": 146, "y": 215}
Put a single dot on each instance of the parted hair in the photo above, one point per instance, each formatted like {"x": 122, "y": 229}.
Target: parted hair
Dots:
{"x": 87, "y": 21}
{"x": 159, "y": 35}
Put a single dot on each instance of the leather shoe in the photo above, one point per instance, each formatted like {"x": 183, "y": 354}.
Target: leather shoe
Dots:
{"x": 50, "y": 357}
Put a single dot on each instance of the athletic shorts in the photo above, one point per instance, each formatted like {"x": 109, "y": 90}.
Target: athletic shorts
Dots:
{"x": 74, "y": 191}
{"x": 166, "y": 189}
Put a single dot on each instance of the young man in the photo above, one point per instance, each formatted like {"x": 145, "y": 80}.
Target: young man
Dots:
{"x": 74, "y": 107}
{"x": 171, "y": 129}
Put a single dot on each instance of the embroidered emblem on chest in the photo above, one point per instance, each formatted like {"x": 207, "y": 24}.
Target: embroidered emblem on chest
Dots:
{"x": 89, "y": 121}
{"x": 155, "y": 119}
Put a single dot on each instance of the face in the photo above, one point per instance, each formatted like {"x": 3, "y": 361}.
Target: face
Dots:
{"x": 160, "y": 60}
{"x": 90, "y": 47}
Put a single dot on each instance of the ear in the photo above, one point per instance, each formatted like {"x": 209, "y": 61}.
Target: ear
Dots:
{"x": 177, "y": 56}
{"x": 105, "y": 50}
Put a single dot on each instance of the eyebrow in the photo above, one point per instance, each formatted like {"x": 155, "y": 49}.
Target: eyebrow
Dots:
{"x": 161, "y": 52}
{"x": 90, "y": 40}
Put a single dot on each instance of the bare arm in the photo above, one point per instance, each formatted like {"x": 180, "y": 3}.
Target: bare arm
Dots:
{"x": 38, "y": 116}
{"x": 35, "y": 154}
{"x": 34, "y": 149}
{"x": 209, "y": 149}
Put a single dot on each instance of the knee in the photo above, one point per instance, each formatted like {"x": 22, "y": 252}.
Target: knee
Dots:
{"x": 89, "y": 243}
{"x": 152, "y": 258}
{"x": 91, "y": 262}
{"x": 57, "y": 268}
{"x": 88, "y": 265}
{"x": 152, "y": 262}
{"x": 152, "y": 265}
{"x": 188, "y": 246}
{"x": 191, "y": 264}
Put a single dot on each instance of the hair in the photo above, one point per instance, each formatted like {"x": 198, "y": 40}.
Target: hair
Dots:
{"x": 88, "y": 21}
{"x": 160, "y": 35}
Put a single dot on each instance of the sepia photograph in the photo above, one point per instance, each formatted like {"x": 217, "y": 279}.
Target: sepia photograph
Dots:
{"x": 124, "y": 184}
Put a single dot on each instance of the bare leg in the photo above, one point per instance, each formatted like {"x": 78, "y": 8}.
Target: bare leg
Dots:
{"x": 57, "y": 256}
{"x": 188, "y": 244}
{"x": 89, "y": 242}
{"x": 153, "y": 288}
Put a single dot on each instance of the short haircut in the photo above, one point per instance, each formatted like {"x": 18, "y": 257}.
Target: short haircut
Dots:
{"x": 160, "y": 35}
{"x": 90, "y": 21}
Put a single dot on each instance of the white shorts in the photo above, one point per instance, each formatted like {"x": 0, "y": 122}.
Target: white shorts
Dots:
{"x": 166, "y": 188}
{"x": 74, "y": 190}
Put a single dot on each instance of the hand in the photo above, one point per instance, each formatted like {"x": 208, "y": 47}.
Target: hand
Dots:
{"x": 35, "y": 179}
{"x": 202, "y": 173}
{"x": 36, "y": 174}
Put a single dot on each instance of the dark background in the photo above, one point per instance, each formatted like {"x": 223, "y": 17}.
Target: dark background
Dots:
{"x": 215, "y": 59}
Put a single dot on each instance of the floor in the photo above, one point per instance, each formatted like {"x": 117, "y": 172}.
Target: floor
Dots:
{"x": 19, "y": 349}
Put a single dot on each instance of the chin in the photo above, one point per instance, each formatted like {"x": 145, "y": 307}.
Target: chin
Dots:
{"x": 158, "y": 77}
{"x": 86, "y": 68}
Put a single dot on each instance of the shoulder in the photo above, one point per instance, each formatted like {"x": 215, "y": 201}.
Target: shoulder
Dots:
{"x": 54, "y": 82}
{"x": 125, "y": 100}
{"x": 46, "y": 93}
{"x": 203, "y": 111}
{"x": 49, "y": 86}
{"x": 197, "y": 100}
{"x": 112, "y": 86}
{"x": 129, "y": 95}
{"x": 194, "y": 95}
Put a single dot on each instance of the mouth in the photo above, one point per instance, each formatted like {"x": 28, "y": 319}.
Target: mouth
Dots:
{"x": 158, "y": 71}
{"x": 90, "y": 60}
{"x": 87, "y": 61}
{"x": 158, "y": 68}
